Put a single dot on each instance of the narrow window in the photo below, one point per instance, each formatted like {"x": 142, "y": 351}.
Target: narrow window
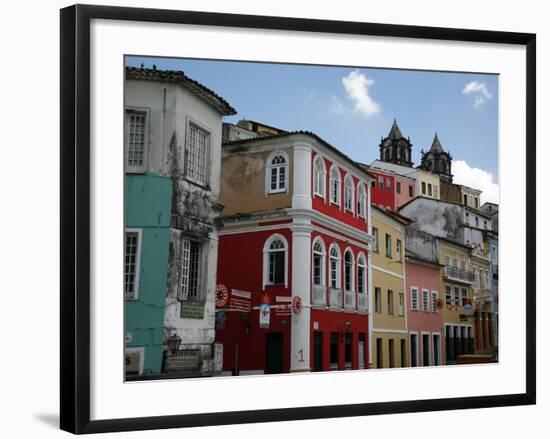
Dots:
{"x": 334, "y": 272}
{"x": 361, "y": 275}
{"x": 403, "y": 353}
{"x": 348, "y": 193}
{"x": 190, "y": 271}
{"x": 380, "y": 182}
{"x": 197, "y": 155}
{"x": 465, "y": 199}
{"x": 411, "y": 190}
{"x": 348, "y": 271}
{"x": 317, "y": 263}
{"x": 414, "y": 299}
{"x": 464, "y": 292}
{"x": 414, "y": 350}
{"x": 429, "y": 189}
{"x": 361, "y": 201}
{"x": 335, "y": 185}
{"x": 401, "y": 304}
{"x": 448, "y": 295}
{"x": 398, "y": 187}
{"x": 388, "y": 245}
{"x": 423, "y": 188}
{"x": 391, "y": 352}
{"x": 131, "y": 264}
{"x": 276, "y": 262}
{"x": 377, "y": 299}
{"x": 375, "y": 235}
{"x": 136, "y": 147}
{"x": 390, "y": 302}
{"x": 319, "y": 177}
{"x": 425, "y": 301}
{"x": 277, "y": 173}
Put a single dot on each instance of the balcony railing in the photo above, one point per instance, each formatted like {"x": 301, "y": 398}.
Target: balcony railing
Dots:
{"x": 362, "y": 302}
{"x": 349, "y": 300}
{"x": 335, "y": 298}
{"x": 319, "y": 296}
{"x": 459, "y": 274}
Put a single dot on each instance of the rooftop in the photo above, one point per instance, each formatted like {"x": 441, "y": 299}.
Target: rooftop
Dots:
{"x": 178, "y": 77}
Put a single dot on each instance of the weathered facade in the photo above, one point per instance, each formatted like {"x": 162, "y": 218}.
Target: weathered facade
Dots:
{"x": 174, "y": 127}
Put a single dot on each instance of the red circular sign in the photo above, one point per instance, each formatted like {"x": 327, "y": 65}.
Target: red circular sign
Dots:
{"x": 296, "y": 305}
{"x": 439, "y": 304}
{"x": 221, "y": 295}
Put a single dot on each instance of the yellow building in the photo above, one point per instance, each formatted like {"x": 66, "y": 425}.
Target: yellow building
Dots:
{"x": 470, "y": 197}
{"x": 457, "y": 279}
{"x": 389, "y": 327}
{"x": 427, "y": 184}
{"x": 482, "y": 299}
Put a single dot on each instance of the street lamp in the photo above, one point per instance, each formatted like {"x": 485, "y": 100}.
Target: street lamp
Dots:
{"x": 174, "y": 342}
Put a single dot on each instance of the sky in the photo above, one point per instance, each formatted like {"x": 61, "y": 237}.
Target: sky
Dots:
{"x": 353, "y": 107}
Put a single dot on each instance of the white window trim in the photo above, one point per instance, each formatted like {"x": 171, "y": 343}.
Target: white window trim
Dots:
{"x": 136, "y": 169}
{"x": 338, "y": 267}
{"x": 401, "y": 306}
{"x": 335, "y": 168}
{"x": 138, "y": 260}
{"x": 362, "y": 199}
{"x": 360, "y": 256}
{"x": 348, "y": 178}
{"x": 190, "y": 121}
{"x": 323, "y": 187}
{"x": 269, "y": 166}
{"x": 352, "y": 274}
{"x": 417, "y": 307}
{"x": 427, "y": 295}
{"x": 323, "y": 260}
{"x": 267, "y": 244}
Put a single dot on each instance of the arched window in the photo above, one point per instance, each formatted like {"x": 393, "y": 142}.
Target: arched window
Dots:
{"x": 348, "y": 270}
{"x": 275, "y": 261}
{"x": 361, "y": 274}
{"x": 334, "y": 264}
{"x": 319, "y": 176}
{"x": 334, "y": 185}
{"x": 348, "y": 193}
{"x": 361, "y": 201}
{"x": 277, "y": 173}
{"x": 318, "y": 262}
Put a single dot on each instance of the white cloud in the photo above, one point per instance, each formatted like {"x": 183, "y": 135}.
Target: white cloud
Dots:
{"x": 336, "y": 106}
{"x": 479, "y": 92}
{"x": 476, "y": 178}
{"x": 357, "y": 87}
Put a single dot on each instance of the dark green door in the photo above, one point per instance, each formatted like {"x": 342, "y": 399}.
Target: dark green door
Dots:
{"x": 317, "y": 351}
{"x": 274, "y": 352}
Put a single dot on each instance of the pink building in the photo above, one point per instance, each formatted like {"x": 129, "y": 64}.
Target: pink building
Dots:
{"x": 404, "y": 190}
{"x": 424, "y": 318}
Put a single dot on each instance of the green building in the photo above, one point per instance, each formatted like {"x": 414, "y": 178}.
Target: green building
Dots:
{"x": 147, "y": 238}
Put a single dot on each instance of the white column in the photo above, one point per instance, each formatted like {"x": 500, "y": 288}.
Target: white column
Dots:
{"x": 301, "y": 191}
{"x": 301, "y": 274}
{"x": 369, "y": 273}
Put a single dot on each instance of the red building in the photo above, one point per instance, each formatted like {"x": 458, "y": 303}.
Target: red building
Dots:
{"x": 293, "y": 256}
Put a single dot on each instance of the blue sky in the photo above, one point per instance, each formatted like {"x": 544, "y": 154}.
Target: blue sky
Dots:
{"x": 352, "y": 108}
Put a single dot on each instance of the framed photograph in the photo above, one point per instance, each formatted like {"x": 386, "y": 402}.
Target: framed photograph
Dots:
{"x": 275, "y": 218}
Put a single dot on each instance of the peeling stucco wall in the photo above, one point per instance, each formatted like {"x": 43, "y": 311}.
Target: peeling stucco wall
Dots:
{"x": 436, "y": 218}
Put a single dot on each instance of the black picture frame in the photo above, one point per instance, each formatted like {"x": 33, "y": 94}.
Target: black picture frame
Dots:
{"x": 75, "y": 217}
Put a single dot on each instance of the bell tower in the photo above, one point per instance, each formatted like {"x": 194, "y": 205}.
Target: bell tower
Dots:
{"x": 395, "y": 148}
{"x": 437, "y": 161}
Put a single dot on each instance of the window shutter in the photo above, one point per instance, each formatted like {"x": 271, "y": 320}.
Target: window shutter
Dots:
{"x": 183, "y": 292}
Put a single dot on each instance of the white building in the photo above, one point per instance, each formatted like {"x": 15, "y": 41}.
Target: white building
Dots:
{"x": 178, "y": 123}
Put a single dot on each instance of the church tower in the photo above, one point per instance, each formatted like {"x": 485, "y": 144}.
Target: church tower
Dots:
{"x": 395, "y": 148}
{"x": 437, "y": 161}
